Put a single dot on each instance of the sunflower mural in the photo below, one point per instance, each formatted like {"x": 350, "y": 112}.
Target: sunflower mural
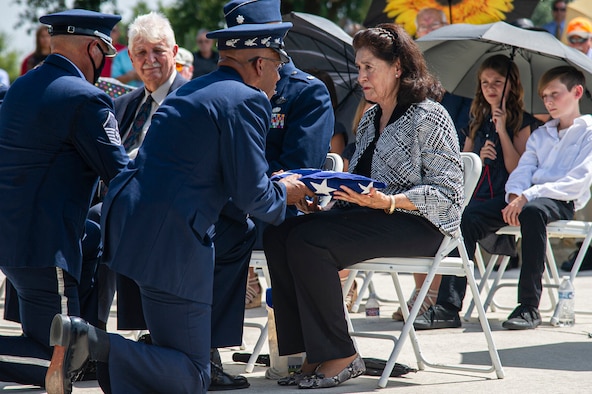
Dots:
{"x": 463, "y": 11}
{"x": 403, "y": 12}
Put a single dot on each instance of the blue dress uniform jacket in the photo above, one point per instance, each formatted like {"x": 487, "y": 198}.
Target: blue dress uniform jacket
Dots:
{"x": 58, "y": 134}
{"x": 302, "y": 122}
{"x": 194, "y": 158}
{"x": 52, "y": 147}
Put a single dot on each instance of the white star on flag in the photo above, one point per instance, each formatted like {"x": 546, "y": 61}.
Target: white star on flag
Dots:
{"x": 366, "y": 189}
{"x": 322, "y": 188}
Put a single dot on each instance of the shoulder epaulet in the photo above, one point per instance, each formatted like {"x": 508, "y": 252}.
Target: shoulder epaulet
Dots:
{"x": 302, "y": 76}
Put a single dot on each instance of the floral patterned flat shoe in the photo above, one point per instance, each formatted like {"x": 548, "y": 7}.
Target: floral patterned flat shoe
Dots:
{"x": 318, "y": 380}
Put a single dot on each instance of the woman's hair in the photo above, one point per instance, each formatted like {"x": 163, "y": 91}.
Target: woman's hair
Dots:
{"x": 39, "y": 50}
{"x": 514, "y": 95}
{"x": 362, "y": 107}
{"x": 567, "y": 75}
{"x": 390, "y": 42}
{"x": 328, "y": 81}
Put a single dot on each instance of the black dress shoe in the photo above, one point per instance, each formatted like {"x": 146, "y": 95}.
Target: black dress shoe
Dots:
{"x": 437, "y": 317}
{"x": 89, "y": 372}
{"x": 220, "y": 380}
{"x": 145, "y": 338}
{"x": 69, "y": 336}
{"x": 524, "y": 317}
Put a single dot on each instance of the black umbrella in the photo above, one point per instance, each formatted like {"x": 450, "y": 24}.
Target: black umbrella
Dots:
{"x": 317, "y": 43}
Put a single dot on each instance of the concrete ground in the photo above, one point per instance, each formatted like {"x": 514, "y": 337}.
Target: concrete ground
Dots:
{"x": 548, "y": 359}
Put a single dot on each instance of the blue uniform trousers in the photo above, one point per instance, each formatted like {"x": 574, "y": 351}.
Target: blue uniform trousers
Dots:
{"x": 87, "y": 289}
{"x": 180, "y": 361}
{"x": 234, "y": 241}
{"x": 42, "y": 293}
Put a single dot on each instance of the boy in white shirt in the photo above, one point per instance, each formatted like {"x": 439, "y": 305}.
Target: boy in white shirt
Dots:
{"x": 552, "y": 180}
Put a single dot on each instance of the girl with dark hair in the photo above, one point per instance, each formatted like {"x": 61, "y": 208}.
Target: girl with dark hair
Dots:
{"x": 498, "y": 131}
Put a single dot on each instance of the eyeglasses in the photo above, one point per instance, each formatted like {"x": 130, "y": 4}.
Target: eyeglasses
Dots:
{"x": 559, "y": 9}
{"x": 577, "y": 40}
{"x": 203, "y": 41}
{"x": 180, "y": 67}
{"x": 278, "y": 67}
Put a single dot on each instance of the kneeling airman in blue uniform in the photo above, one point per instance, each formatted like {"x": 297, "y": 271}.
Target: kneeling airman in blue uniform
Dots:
{"x": 205, "y": 145}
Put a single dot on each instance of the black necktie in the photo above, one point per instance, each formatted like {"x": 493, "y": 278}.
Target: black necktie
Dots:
{"x": 138, "y": 125}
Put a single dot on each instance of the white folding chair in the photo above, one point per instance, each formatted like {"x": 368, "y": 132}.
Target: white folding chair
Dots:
{"x": 441, "y": 263}
{"x": 551, "y": 278}
{"x": 333, "y": 162}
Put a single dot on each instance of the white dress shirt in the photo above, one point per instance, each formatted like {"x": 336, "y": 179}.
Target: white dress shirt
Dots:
{"x": 556, "y": 164}
{"x": 158, "y": 97}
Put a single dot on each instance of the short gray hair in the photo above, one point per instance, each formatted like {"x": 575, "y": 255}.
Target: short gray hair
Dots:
{"x": 152, "y": 27}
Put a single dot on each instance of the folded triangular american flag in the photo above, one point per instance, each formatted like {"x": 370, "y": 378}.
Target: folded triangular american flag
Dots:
{"x": 324, "y": 183}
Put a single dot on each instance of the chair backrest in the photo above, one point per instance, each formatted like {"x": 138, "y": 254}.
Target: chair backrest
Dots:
{"x": 333, "y": 162}
{"x": 471, "y": 172}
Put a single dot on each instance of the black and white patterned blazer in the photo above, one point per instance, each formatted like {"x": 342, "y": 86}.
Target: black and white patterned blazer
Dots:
{"x": 418, "y": 155}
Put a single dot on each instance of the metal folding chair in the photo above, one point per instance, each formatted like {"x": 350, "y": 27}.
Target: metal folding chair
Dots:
{"x": 333, "y": 162}
{"x": 551, "y": 278}
{"x": 441, "y": 263}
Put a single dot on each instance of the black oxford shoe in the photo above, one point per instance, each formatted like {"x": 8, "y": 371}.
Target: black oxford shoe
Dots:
{"x": 69, "y": 336}
{"x": 220, "y": 380}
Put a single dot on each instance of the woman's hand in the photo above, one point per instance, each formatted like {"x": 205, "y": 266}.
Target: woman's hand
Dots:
{"x": 499, "y": 117}
{"x": 488, "y": 151}
{"x": 374, "y": 199}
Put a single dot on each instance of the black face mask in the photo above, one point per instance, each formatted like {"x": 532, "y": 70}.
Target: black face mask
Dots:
{"x": 96, "y": 70}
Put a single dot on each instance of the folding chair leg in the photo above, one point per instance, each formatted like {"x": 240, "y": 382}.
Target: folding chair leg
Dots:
{"x": 483, "y": 284}
{"x": 408, "y": 330}
{"x": 493, "y": 354}
{"x": 367, "y": 280}
{"x": 496, "y": 282}
{"x": 258, "y": 346}
{"x": 484, "y": 271}
{"x": 405, "y": 311}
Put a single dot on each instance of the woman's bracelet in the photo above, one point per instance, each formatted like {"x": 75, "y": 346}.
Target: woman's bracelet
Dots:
{"x": 391, "y": 209}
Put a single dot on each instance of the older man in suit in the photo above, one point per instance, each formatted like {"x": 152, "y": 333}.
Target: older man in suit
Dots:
{"x": 204, "y": 147}
{"x": 152, "y": 49}
{"x": 58, "y": 135}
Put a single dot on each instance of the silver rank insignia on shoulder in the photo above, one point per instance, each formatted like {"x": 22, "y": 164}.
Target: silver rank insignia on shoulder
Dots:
{"x": 278, "y": 120}
{"x": 310, "y": 77}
